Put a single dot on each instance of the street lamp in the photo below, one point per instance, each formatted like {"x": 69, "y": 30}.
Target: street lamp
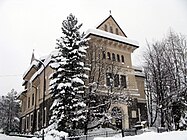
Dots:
{"x": 43, "y": 105}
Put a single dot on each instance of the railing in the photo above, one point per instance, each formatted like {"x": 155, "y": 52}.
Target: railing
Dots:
{"x": 123, "y": 133}
{"x": 93, "y": 135}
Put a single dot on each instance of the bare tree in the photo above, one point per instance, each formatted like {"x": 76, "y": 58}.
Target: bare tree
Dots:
{"x": 103, "y": 85}
{"x": 165, "y": 68}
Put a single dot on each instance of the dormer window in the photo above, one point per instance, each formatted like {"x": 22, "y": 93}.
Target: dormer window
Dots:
{"x": 106, "y": 28}
{"x": 111, "y": 29}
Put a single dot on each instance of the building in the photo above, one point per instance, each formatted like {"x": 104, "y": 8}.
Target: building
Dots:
{"x": 113, "y": 72}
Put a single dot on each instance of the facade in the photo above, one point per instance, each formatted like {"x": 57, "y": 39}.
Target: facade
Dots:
{"x": 110, "y": 56}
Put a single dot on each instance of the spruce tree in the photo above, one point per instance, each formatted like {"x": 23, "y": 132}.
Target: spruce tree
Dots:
{"x": 67, "y": 82}
{"x": 9, "y": 112}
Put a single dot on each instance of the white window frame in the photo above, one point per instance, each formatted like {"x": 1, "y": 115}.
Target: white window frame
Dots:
{"x": 134, "y": 114}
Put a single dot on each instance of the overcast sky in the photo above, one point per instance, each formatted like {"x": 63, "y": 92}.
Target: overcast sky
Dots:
{"x": 36, "y": 24}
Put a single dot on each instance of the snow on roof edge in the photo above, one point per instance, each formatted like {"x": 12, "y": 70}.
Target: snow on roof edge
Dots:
{"x": 46, "y": 62}
{"x": 112, "y": 36}
{"x": 34, "y": 63}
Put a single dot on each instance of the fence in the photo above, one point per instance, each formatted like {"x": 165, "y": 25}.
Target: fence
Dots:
{"x": 93, "y": 135}
{"x": 123, "y": 133}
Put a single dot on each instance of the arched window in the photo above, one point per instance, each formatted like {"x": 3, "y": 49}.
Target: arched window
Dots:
{"x": 104, "y": 55}
{"x": 118, "y": 58}
{"x": 113, "y": 57}
{"x": 122, "y": 59}
{"x": 117, "y": 31}
{"x": 108, "y": 55}
{"x": 111, "y": 29}
{"x": 106, "y": 27}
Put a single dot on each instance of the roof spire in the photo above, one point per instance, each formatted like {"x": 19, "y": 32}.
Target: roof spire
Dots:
{"x": 32, "y": 57}
{"x": 110, "y": 12}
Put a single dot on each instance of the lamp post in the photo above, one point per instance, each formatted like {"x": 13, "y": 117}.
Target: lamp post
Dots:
{"x": 43, "y": 104}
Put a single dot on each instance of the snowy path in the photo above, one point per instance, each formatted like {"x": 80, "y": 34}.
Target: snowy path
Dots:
{"x": 5, "y": 137}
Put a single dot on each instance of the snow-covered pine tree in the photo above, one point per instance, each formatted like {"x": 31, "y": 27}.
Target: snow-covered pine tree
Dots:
{"x": 67, "y": 82}
{"x": 9, "y": 112}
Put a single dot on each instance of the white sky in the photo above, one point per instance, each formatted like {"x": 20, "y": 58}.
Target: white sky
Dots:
{"x": 36, "y": 24}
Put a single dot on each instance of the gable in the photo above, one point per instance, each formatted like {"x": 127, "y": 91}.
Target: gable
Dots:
{"x": 110, "y": 25}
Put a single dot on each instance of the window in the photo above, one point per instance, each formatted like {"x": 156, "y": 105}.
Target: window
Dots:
{"x": 27, "y": 122}
{"x": 123, "y": 81}
{"x": 133, "y": 114}
{"x": 32, "y": 99}
{"x": 116, "y": 80}
{"x": 111, "y": 29}
{"x": 122, "y": 58}
{"x": 118, "y": 58}
{"x": 44, "y": 116}
{"x": 23, "y": 124}
{"x": 108, "y": 79}
{"x": 29, "y": 102}
{"x": 113, "y": 57}
{"x": 106, "y": 27}
{"x": 139, "y": 115}
{"x": 38, "y": 93}
{"x": 31, "y": 121}
{"x": 117, "y": 31}
{"x": 108, "y": 54}
{"x": 24, "y": 104}
{"x": 104, "y": 55}
{"x": 38, "y": 119}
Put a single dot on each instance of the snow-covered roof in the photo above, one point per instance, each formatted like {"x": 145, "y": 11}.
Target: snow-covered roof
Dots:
{"x": 33, "y": 63}
{"x": 46, "y": 62}
{"x": 108, "y": 35}
{"x": 105, "y": 19}
{"x": 138, "y": 71}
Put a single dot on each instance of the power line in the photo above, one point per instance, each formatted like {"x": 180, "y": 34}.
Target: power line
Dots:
{"x": 10, "y": 75}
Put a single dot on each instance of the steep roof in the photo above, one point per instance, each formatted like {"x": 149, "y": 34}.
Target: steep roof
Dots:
{"x": 110, "y": 17}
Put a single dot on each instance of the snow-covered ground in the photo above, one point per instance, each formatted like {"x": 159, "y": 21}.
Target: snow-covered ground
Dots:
{"x": 175, "y": 135}
{"x": 5, "y": 137}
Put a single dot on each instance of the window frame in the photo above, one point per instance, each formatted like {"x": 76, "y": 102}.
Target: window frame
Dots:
{"x": 113, "y": 57}
{"x": 123, "y": 83}
{"x": 106, "y": 28}
{"x": 117, "y": 31}
{"x": 28, "y": 103}
{"x": 104, "y": 54}
{"x": 108, "y": 55}
{"x": 122, "y": 59}
{"x": 118, "y": 58}
{"x": 111, "y": 29}
{"x": 116, "y": 80}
